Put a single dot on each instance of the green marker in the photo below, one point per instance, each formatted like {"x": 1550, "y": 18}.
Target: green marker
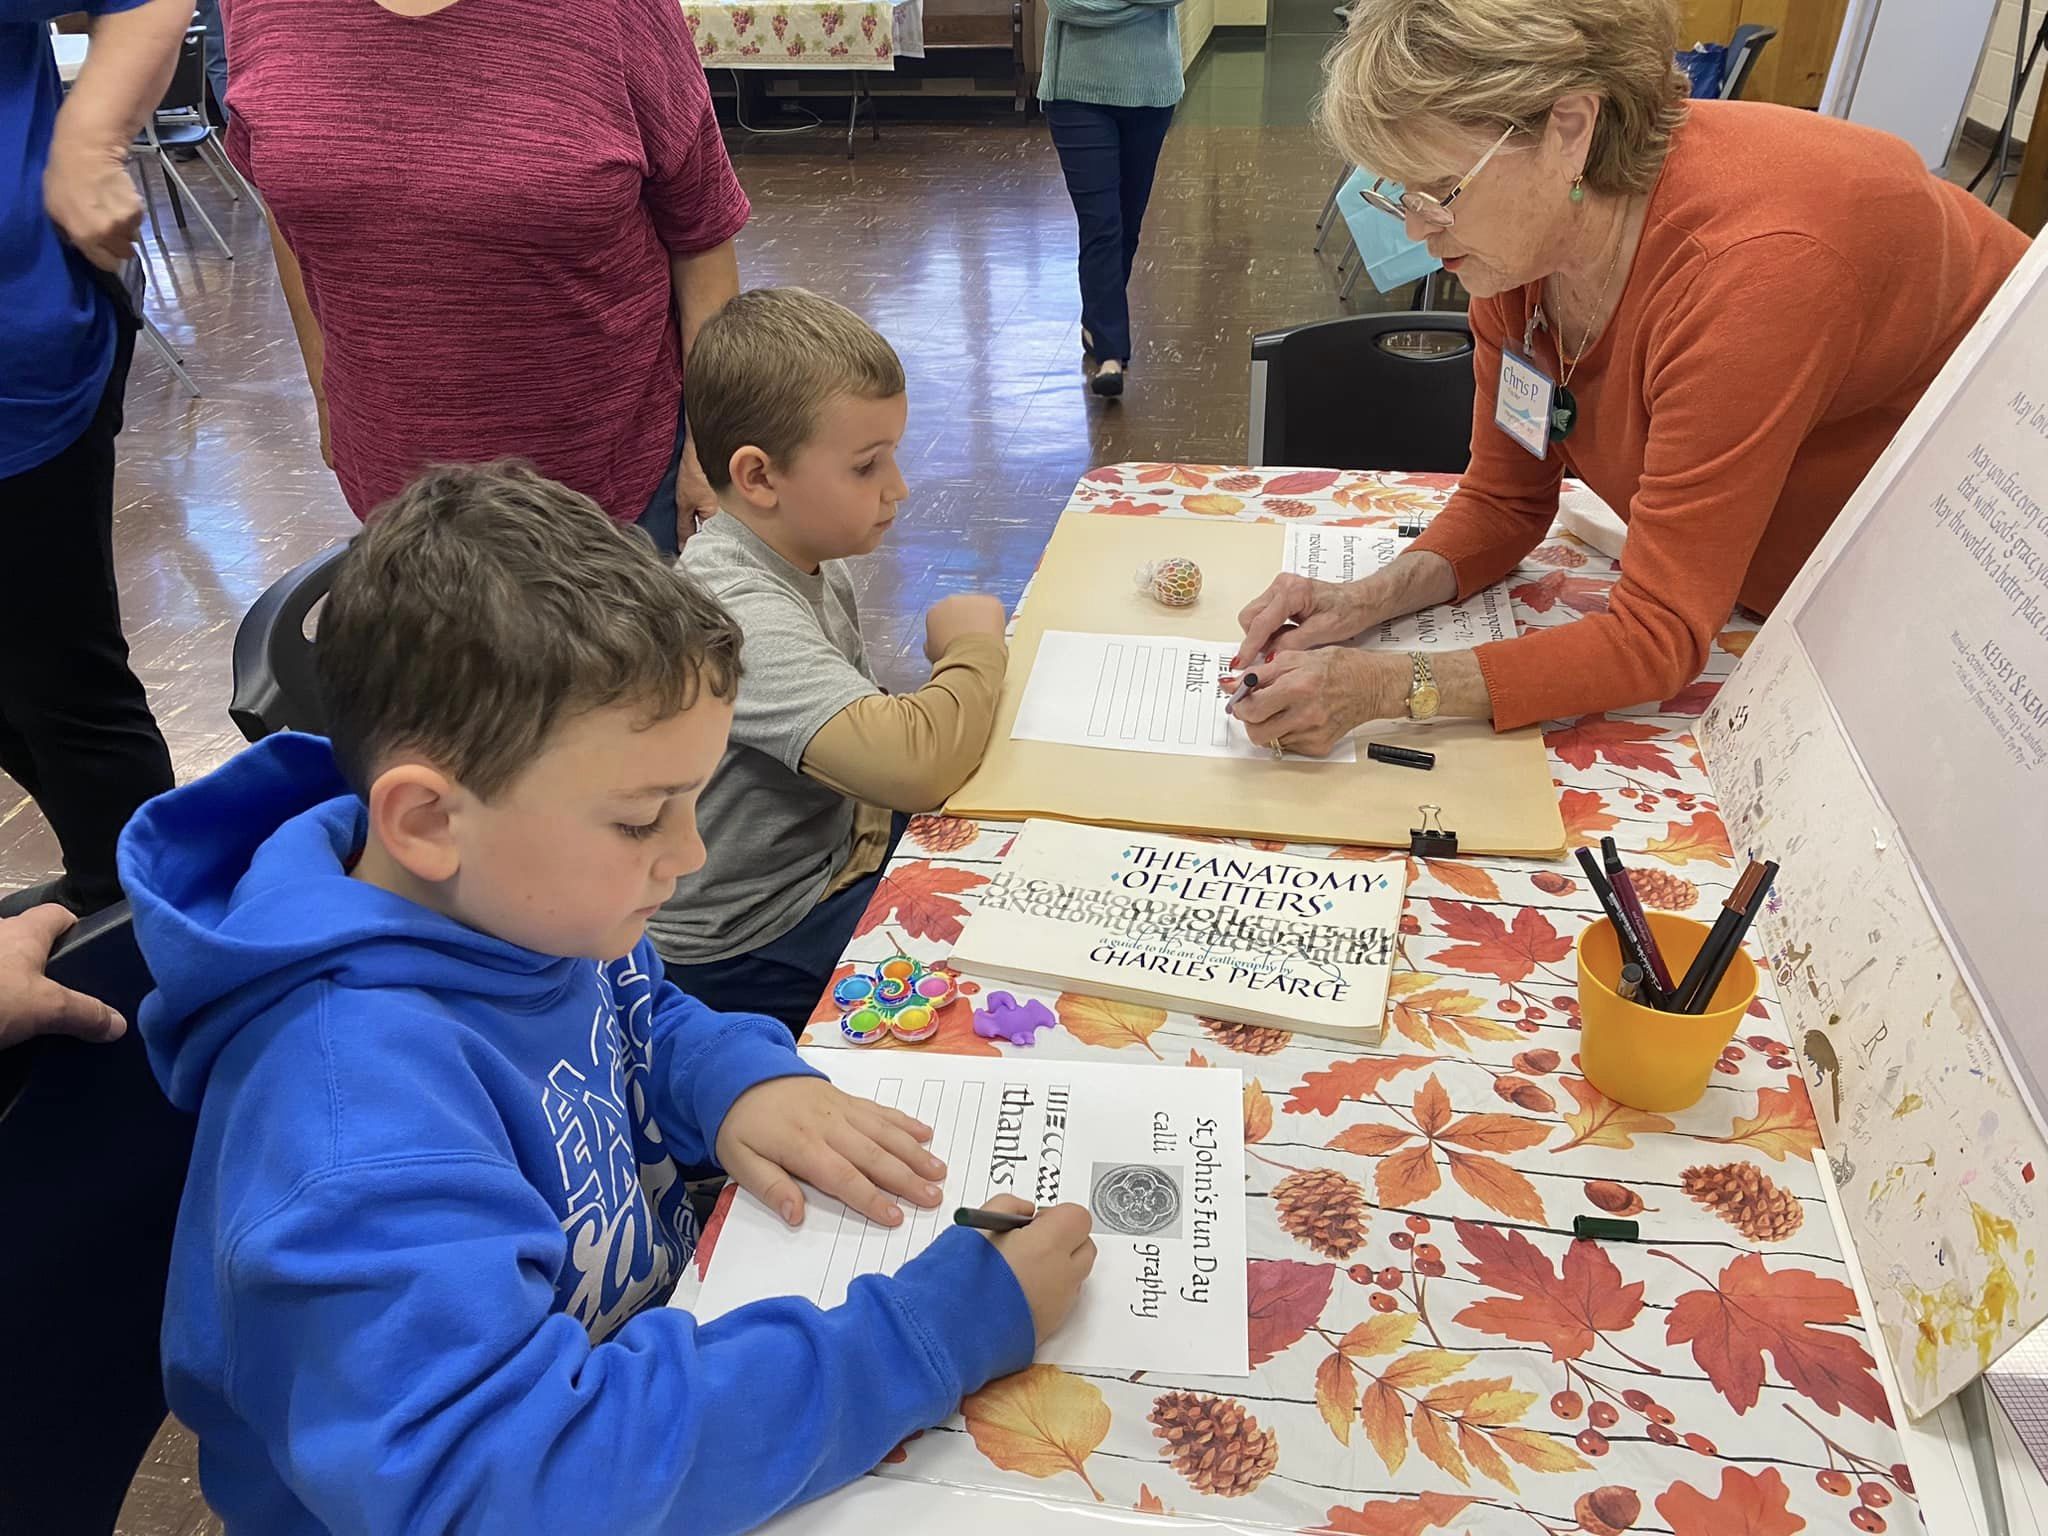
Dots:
{"x": 1603, "y": 1229}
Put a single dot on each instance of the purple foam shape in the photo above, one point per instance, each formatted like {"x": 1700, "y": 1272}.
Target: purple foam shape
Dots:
{"x": 1003, "y": 1017}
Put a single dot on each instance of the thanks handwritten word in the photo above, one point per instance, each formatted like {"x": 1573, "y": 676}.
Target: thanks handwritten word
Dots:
{"x": 1006, "y": 1158}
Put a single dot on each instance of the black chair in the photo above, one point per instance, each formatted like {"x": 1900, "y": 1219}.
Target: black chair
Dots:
{"x": 93, "y": 1160}
{"x": 180, "y": 122}
{"x": 1744, "y": 48}
{"x": 275, "y": 688}
{"x": 1365, "y": 392}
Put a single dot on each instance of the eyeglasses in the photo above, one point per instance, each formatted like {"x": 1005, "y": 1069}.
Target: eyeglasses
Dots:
{"x": 1434, "y": 212}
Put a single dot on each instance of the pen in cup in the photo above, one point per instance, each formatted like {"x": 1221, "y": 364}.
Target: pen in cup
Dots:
{"x": 1632, "y": 908}
{"x": 1631, "y": 988}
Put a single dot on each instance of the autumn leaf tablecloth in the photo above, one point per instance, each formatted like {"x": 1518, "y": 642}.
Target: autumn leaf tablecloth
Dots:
{"x": 1432, "y": 1350}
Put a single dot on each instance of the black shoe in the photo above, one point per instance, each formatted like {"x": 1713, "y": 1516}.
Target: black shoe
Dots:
{"x": 61, "y": 892}
{"x": 1108, "y": 382}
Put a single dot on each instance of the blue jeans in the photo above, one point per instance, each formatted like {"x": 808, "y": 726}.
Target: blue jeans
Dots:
{"x": 785, "y": 977}
{"x": 658, "y": 522}
{"x": 1108, "y": 155}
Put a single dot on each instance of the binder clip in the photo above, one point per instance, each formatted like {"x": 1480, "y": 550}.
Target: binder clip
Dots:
{"x": 1409, "y": 530}
{"x": 1431, "y": 840}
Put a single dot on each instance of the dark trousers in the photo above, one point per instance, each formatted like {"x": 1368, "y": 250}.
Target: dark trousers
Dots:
{"x": 1108, "y": 155}
{"x": 75, "y": 726}
{"x": 92, "y": 1163}
{"x": 658, "y": 520}
{"x": 785, "y": 977}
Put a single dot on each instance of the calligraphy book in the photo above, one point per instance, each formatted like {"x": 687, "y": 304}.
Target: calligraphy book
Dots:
{"x": 1207, "y": 928}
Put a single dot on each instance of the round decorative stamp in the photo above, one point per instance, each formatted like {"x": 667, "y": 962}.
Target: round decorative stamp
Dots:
{"x": 1136, "y": 1200}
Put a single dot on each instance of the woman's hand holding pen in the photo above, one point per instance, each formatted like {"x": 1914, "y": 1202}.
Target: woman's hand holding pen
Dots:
{"x": 1311, "y": 700}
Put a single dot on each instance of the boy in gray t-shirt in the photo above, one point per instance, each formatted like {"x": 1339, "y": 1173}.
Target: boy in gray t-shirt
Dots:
{"x": 796, "y": 406}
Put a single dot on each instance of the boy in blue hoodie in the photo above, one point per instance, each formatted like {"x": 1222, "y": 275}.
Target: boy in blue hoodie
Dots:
{"x": 445, "y": 1095}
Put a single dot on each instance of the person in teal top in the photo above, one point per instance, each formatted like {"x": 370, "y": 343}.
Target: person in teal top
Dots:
{"x": 1111, "y": 79}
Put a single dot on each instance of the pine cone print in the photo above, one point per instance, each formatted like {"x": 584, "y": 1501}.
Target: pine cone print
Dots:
{"x": 1665, "y": 892}
{"x": 1240, "y": 483}
{"x": 1245, "y": 1039}
{"x": 1214, "y": 1443}
{"x": 1288, "y": 506}
{"x": 1323, "y": 1209}
{"x": 942, "y": 834}
{"x": 1743, "y": 1195}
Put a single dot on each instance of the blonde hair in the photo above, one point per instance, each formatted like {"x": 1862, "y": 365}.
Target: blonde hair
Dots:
{"x": 763, "y": 367}
{"x": 1406, "y": 69}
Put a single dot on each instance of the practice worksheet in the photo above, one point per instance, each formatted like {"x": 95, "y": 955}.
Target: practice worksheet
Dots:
{"x": 1345, "y": 554}
{"x": 1156, "y": 1153}
{"x": 1139, "y": 693}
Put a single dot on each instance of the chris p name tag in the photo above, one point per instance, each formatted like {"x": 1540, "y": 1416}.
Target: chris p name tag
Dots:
{"x": 1522, "y": 405}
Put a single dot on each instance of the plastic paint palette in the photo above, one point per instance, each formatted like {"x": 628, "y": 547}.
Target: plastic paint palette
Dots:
{"x": 900, "y": 998}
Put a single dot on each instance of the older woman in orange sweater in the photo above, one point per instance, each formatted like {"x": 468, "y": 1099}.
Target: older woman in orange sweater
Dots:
{"x": 1716, "y": 314}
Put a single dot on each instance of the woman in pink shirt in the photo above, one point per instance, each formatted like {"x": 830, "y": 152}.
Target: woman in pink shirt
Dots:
{"x": 499, "y": 226}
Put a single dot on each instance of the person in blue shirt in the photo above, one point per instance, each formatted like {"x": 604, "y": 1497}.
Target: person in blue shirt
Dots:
{"x": 75, "y": 726}
{"x": 446, "y": 1097}
{"x": 90, "y": 1155}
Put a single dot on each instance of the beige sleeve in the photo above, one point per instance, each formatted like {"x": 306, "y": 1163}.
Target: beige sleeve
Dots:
{"x": 909, "y": 751}
{"x": 871, "y": 828}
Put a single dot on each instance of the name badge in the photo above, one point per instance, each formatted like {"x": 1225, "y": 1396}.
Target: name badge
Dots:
{"x": 1522, "y": 404}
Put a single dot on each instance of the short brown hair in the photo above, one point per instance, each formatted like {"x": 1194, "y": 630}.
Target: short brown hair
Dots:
{"x": 763, "y": 367}
{"x": 484, "y": 606}
{"x": 1405, "y": 66}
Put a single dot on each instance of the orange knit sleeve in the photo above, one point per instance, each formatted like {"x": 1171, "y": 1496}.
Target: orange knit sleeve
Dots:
{"x": 1741, "y": 366}
{"x": 1507, "y": 499}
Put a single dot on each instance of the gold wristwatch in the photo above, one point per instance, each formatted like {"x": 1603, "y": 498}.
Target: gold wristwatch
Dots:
{"x": 1423, "y": 699}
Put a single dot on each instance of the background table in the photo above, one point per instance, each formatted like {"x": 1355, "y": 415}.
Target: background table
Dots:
{"x": 806, "y": 34}
{"x": 1433, "y": 1351}
{"x": 853, "y": 35}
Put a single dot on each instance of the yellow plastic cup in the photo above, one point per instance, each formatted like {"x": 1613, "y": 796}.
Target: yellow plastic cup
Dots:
{"x": 1637, "y": 1056}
